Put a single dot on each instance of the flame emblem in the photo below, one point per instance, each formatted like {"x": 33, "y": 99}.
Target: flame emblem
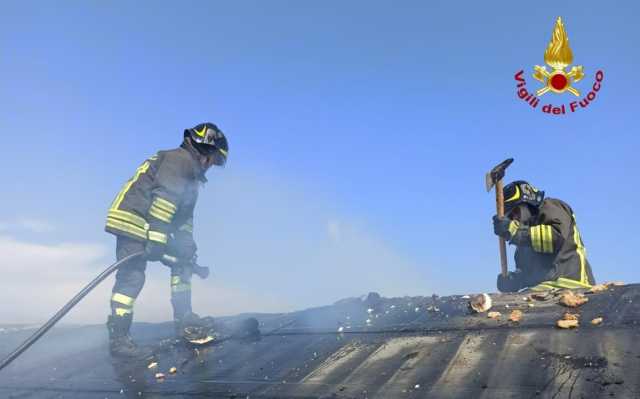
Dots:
{"x": 558, "y": 56}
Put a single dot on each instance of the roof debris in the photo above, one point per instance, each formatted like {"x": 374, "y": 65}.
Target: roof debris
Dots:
{"x": 567, "y": 323}
{"x": 569, "y": 320}
{"x": 572, "y": 300}
{"x": 597, "y": 321}
{"x": 481, "y": 303}
{"x": 598, "y": 288}
{"x": 494, "y": 315}
{"x": 515, "y": 316}
{"x": 541, "y": 296}
{"x": 570, "y": 316}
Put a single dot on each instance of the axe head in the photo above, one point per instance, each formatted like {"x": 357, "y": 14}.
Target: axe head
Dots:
{"x": 496, "y": 174}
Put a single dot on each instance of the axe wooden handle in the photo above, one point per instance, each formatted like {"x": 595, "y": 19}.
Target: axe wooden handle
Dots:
{"x": 501, "y": 242}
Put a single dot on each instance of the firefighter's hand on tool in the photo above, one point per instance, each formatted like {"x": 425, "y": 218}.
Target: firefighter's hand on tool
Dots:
{"x": 154, "y": 250}
{"x": 501, "y": 227}
{"x": 201, "y": 271}
{"x": 510, "y": 283}
{"x": 169, "y": 260}
{"x": 183, "y": 250}
{"x": 181, "y": 245}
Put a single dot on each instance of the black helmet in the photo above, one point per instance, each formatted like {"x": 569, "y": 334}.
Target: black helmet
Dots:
{"x": 209, "y": 140}
{"x": 521, "y": 192}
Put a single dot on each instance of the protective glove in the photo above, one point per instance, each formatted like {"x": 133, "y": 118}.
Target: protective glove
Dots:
{"x": 510, "y": 283}
{"x": 171, "y": 261}
{"x": 201, "y": 271}
{"x": 154, "y": 250}
{"x": 504, "y": 227}
{"x": 182, "y": 246}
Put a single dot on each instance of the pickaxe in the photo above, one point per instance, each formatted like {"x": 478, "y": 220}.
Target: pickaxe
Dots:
{"x": 494, "y": 177}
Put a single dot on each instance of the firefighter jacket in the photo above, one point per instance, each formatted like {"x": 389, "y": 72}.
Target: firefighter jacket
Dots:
{"x": 550, "y": 252}
{"x": 159, "y": 199}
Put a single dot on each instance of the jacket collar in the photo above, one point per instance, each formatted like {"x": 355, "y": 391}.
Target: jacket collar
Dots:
{"x": 198, "y": 170}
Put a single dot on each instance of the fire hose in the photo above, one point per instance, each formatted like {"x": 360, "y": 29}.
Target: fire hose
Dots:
{"x": 65, "y": 309}
{"x": 201, "y": 271}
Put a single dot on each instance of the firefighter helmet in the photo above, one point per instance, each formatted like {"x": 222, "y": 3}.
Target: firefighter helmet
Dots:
{"x": 210, "y": 141}
{"x": 521, "y": 192}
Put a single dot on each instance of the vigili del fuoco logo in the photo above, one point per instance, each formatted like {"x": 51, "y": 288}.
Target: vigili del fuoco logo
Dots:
{"x": 558, "y": 57}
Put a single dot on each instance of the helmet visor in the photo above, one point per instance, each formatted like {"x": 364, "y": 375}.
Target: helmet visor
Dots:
{"x": 214, "y": 156}
{"x": 218, "y": 157}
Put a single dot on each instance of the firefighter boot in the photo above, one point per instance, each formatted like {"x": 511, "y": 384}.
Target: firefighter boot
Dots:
{"x": 120, "y": 342}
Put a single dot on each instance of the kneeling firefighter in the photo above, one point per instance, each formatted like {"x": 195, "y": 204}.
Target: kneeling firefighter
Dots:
{"x": 153, "y": 213}
{"x": 549, "y": 249}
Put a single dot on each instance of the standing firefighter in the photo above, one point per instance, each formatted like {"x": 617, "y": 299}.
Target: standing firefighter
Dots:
{"x": 153, "y": 213}
{"x": 550, "y": 252}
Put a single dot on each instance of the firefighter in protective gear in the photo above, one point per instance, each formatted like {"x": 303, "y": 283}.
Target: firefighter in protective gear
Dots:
{"x": 549, "y": 249}
{"x": 153, "y": 213}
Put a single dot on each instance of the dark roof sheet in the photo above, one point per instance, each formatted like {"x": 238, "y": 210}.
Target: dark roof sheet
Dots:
{"x": 412, "y": 347}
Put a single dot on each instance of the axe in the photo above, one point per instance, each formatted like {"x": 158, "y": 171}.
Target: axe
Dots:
{"x": 494, "y": 177}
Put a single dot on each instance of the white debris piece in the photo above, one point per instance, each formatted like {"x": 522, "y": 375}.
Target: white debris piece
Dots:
{"x": 481, "y": 303}
{"x": 340, "y": 329}
{"x": 152, "y": 365}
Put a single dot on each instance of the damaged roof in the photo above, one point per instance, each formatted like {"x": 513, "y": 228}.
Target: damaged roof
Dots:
{"x": 370, "y": 347}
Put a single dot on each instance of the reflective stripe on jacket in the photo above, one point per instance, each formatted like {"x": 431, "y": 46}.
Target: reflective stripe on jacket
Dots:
{"x": 551, "y": 253}
{"x": 159, "y": 199}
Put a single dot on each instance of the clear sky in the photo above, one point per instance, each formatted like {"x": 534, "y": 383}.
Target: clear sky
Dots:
{"x": 360, "y": 133}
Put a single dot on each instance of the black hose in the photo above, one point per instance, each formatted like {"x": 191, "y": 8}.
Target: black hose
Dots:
{"x": 65, "y": 309}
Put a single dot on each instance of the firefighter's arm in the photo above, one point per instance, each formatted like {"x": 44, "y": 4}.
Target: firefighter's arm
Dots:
{"x": 543, "y": 238}
{"x": 182, "y": 244}
{"x": 172, "y": 179}
{"x": 547, "y": 237}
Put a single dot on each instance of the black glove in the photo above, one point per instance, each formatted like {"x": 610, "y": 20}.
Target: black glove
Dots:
{"x": 502, "y": 226}
{"x": 171, "y": 261}
{"x": 182, "y": 246}
{"x": 201, "y": 271}
{"x": 153, "y": 250}
{"x": 511, "y": 283}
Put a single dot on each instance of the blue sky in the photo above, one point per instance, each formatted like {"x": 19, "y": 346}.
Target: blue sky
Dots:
{"x": 359, "y": 133}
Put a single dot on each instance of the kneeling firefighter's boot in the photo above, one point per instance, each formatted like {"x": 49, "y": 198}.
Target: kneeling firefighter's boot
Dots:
{"x": 120, "y": 342}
